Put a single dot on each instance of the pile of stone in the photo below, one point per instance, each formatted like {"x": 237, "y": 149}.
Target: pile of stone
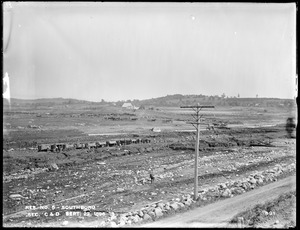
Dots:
{"x": 150, "y": 213}
{"x": 228, "y": 189}
{"x": 24, "y": 174}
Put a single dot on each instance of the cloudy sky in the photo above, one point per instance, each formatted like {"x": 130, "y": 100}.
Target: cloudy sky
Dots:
{"x": 120, "y": 51}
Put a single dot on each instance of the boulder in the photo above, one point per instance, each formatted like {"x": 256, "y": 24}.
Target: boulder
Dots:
{"x": 112, "y": 224}
{"x": 245, "y": 185}
{"x": 223, "y": 185}
{"x": 265, "y": 213}
{"x": 141, "y": 214}
{"x": 120, "y": 189}
{"x": 158, "y": 212}
{"x": 65, "y": 223}
{"x": 237, "y": 190}
{"x": 53, "y": 166}
{"x": 237, "y": 184}
{"x": 122, "y": 223}
{"x": 188, "y": 202}
{"x": 226, "y": 193}
{"x": 260, "y": 181}
{"x": 16, "y": 196}
{"x": 167, "y": 207}
{"x": 252, "y": 180}
{"x": 161, "y": 205}
{"x": 147, "y": 217}
{"x": 151, "y": 214}
{"x": 174, "y": 206}
{"x": 181, "y": 205}
{"x": 129, "y": 222}
{"x": 135, "y": 218}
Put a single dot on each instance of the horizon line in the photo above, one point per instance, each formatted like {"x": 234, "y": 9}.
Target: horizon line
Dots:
{"x": 227, "y": 97}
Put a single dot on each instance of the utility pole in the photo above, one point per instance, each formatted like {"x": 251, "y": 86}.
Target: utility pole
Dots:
{"x": 196, "y": 124}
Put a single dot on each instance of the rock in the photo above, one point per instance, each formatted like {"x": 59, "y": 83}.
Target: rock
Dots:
{"x": 65, "y": 223}
{"x": 260, "y": 181}
{"x": 226, "y": 193}
{"x": 264, "y": 212}
{"x": 120, "y": 189}
{"x": 147, "y": 217}
{"x": 101, "y": 224}
{"x": 153, "y": 193}
{"x": 16, "y": 196}
{"x": 122, "y": 223}
{"x": 167, "y": 207}
{"x": 161, "y": 205}
{"x": 202, "y": 198}
{"x": 112, "y": 224}
{"x": 113, "y": 216}
{"x": 141, "y": 214}
{"x": 151, "y": 214}
{"x": 158, "y": 212}
{"x": 277, "y": 222}
{"x": 245, "y": 185}
{"x": 129, "y": 222}
{"x": 188, "y": 202}
{"x": 181, "y": 205}
{"x": 54, "y": 166}
{"x": 252, "y": 180}
{"x": 223, "y": 185}
{"x": 174, "y": 206}
{"x": 123, "y": 218}
{"x": 135, "y": 218}
{"x": 237, "y": 190}
{"x": 252, "y": 186}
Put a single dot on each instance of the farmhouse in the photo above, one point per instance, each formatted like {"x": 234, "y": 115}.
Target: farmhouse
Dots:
{"x": 155, "y": 129}
{"x": 128, "y": 105}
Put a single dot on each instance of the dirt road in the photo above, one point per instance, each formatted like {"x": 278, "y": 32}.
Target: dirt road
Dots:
{"x": 220, "y": 213}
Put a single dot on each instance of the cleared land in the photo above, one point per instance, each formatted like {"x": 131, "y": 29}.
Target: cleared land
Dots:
{"x": 116, "y": 179}
{"x": 219, "y": 214}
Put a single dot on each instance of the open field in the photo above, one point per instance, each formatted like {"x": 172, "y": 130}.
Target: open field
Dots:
{"x": 116, "y": 179}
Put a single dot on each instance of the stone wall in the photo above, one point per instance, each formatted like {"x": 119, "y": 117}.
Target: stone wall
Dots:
{"x": 224, "y": 190}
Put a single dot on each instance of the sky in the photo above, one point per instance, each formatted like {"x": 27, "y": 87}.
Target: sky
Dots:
{"x": 120, "y": 51}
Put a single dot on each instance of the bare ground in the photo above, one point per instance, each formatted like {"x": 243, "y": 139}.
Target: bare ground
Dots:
{"x": 220, "y": 213}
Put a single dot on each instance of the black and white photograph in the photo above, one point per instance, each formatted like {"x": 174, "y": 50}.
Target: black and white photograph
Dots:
{"x": 149, "y": 114}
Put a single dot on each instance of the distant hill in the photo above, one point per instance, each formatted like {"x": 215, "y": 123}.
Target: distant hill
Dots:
{"x": 169, "y": 100}
{"x": 181, "y": 100}
{"x": 45, "y": 101}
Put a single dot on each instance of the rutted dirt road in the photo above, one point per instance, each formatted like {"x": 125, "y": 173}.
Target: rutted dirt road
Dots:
{"x": 220, "y": 213}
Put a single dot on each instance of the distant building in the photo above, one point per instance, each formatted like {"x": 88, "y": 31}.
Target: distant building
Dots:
{"x": 155, "y": 129}
{"x": 128, "y": 105}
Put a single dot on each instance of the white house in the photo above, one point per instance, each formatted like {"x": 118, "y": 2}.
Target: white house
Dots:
{"x": 127, "y": 105}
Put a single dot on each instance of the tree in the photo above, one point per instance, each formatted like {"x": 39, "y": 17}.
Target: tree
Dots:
{"x": 223, "y": 95}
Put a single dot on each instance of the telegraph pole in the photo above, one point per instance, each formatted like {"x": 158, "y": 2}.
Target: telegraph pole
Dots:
{"x": 196, "y": 124}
